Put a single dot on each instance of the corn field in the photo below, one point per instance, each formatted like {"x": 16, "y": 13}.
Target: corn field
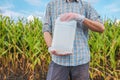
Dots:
{"x": 24, "y": 55}
{"x": 105, "y": 53}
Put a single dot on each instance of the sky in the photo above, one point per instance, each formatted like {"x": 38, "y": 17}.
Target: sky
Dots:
{"x": 24, "y": 8}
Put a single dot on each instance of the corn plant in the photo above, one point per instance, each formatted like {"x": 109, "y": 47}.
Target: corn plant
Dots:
{"x": 22, "y": 48}
{"x": 105, "y": 52}
{"x": 24, "y": 55}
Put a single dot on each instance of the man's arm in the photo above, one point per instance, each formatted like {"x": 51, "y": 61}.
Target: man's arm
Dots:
{"x": 94, "y": 25}
{"x": 47, "y": 26}
{"x": 48, "y": 38}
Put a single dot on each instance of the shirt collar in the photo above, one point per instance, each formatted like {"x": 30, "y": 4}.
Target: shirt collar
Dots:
{"x": 72, "y": 0}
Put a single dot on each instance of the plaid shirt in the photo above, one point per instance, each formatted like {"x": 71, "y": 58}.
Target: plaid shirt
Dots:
{"x": 81, "y": 50}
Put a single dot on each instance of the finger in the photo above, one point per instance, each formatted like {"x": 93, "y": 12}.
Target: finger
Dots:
{"x": 69, "y": 18}
{"x": 65, "y": 54}
{"x": 68, "y": 53}
{"x": 53, "y": 51}
{"x": 64, "y": 17}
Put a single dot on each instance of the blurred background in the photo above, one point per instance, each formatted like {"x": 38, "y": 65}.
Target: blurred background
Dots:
{"x": 25, "y": 8}
{"x": 23, "y": 51}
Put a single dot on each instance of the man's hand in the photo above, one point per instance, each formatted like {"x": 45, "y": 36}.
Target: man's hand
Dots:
{"x": 53, "y": 51}
{"x": 72, "y": 16}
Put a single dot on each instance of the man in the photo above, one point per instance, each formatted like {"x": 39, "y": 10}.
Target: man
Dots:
{"x": 76, "y": 65}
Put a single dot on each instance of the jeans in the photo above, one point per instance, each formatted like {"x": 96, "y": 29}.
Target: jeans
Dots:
{"x": 58, "y": 72}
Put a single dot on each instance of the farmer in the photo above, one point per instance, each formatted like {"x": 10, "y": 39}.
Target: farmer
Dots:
{"x": 76, "y": 65}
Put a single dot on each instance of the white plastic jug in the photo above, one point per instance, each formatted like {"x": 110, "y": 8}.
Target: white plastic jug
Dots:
{"x": 63, "y": 37}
